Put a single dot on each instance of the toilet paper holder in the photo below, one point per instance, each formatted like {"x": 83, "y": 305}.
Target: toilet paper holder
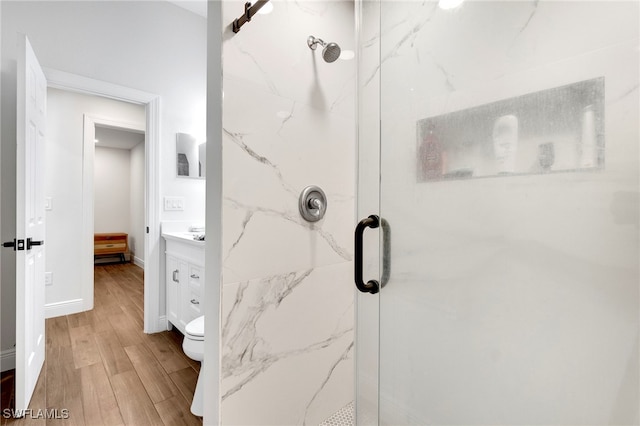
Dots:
{"x": 312, "y": 203}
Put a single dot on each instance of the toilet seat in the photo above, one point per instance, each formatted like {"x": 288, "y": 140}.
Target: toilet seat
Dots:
{"x": 195, "y": 329}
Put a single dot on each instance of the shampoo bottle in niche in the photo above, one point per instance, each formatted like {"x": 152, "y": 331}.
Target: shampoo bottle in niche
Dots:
{"x": 431, "y": 159}
{"x": 505, "y": 143}
{"x": 588, "y": 148}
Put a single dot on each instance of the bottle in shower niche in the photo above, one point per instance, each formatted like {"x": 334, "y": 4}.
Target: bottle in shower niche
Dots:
{"x": 430, "y": 157}
{"x": 588, "y": 148}
{"x": 505, "y": 143}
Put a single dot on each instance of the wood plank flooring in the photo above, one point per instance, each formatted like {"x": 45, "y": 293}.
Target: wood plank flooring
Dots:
{"x": 104, "y": 370}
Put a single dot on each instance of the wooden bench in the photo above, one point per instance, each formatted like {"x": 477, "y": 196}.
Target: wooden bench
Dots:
{"x": 111, "y": 244}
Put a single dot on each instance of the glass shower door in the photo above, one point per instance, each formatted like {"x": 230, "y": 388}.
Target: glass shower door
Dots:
{"x": 508, "y": 164}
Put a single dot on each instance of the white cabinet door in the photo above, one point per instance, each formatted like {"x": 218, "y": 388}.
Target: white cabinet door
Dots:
{"x": 173, "y": 290}
{"x": 185, "y": 315}
{"x": 184, "y": 282}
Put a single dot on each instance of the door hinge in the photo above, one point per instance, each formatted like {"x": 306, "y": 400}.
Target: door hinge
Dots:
{"x": 15, "y": 244}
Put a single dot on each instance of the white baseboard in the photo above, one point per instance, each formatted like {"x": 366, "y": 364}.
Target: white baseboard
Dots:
{"x": 163, "y": 323}
{"x": 67, "y": 307}
{"x": 8, "y": 359}
{"x": 159, "y": 326}
{"x": 138, "y": 262}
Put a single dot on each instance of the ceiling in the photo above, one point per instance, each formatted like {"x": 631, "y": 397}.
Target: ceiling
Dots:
{"x": 109, "y": 137}
{"x": 196, "y": 6}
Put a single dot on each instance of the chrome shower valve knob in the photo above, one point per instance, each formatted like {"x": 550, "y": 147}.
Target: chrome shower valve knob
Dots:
{"x": 312, "y": 203}
{"x": 315, "y": 204}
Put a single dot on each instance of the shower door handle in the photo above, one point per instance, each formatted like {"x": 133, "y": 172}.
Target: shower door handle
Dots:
{"x": 386, "y": 252}
{"x": 371, "y": 286}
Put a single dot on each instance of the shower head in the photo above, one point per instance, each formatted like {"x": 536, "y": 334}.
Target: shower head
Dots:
{"x": 331, "y": 51}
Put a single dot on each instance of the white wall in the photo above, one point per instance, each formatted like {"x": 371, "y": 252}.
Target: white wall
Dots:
{"x": 119, "y": 176}
{"x": 159, "y": 48}
{"x": 137, "y": 217}
{"x": 287, "y": 295}
{"x": 112, "y": 195}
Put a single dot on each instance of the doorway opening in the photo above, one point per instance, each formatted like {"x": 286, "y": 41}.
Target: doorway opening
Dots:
{"x": 147, "y": 241}
{"x": 119, "y": 209}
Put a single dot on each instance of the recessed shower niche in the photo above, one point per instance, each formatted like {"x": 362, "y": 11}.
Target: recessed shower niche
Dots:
{"x": 554, "y": 130}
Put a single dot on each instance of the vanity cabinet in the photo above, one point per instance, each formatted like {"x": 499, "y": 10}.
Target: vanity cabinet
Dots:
{"x": 184, "y": 280}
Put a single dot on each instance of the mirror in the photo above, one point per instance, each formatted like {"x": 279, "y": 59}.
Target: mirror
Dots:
{"x": 191, "y": 156}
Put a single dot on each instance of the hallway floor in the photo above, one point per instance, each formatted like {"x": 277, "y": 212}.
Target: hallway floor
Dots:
{"x": 104, "y": 370}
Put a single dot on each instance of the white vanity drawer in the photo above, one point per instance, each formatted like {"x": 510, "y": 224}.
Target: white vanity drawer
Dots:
{"x": 194, "y": 303}
{"x": 196, "y": 274}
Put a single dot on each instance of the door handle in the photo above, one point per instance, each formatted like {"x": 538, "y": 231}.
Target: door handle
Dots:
{"x": 31, "y": 243}
{"x": 15, "y": 244}
{"x": 386, "y": 251}
{"x": 11, "y": 244}
{"x": 372, "y": 286}
{"x": 175, "y": 275}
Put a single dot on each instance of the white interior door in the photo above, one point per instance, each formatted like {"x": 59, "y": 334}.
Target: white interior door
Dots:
{"x": 30, "y": 223}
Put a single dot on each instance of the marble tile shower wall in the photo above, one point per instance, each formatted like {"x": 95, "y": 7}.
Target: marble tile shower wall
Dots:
{"x": 287, "y": 297}
{"x": 533, "y": 46}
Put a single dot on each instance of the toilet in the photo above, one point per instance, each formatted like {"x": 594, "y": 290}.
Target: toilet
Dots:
{"x": 193, "y": 347}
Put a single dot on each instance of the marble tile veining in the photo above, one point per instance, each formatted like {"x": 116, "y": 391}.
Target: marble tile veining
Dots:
{"x": 287, "y": 298}
{"x": 295, "y": 327}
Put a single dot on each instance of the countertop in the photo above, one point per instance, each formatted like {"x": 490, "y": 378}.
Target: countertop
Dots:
{"x": 184, "y": 237}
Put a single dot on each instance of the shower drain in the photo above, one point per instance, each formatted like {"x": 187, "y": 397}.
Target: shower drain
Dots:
{"x": 343, "y": 417}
